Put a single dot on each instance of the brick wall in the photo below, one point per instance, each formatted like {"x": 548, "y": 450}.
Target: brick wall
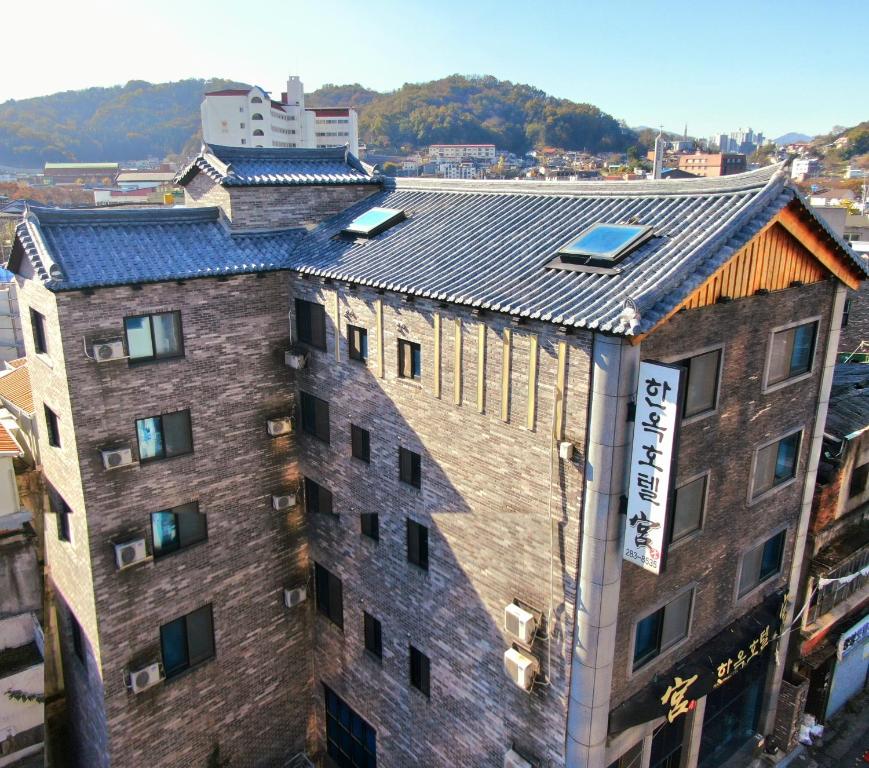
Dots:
{"x": 791, "y": 705}
{"x": 724, "y": 442}
{"x": 232, "y": 378}
{"x": 490, "y": 541}
{"x": 857, "y": 329}
{"x": 276, "y": 207}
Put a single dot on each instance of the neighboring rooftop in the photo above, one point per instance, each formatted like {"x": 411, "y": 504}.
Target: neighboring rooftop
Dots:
{"x": 848, "y": 412}
{"x": 15, "y": 388}
{"x": 72, "y": 249}
{"x": 269, "y": 167}
{"x": 82, "y": 166}
{"x": 164, "y": 177}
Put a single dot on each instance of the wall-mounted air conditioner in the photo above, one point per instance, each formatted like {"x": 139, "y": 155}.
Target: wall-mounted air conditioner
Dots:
{"x": 565, "y": 450}
{"x": 282, "y": 426}
{"x": 293, "y": 597}
{"x": 520, "y": 623}
{"x": 295, "y": 360}
{"x": 145, "y": 677}
{"x": 281, "y": 503}
{"x": 521, "y": 668}
{"x": 130, "y": 552}
{"x": 114, "y": 458}
{"x": 112, "y": 349}
{"x": 513, "y": 759}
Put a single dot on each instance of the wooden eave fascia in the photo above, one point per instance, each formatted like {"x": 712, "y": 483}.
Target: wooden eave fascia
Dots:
{"x": 823, "y": 249}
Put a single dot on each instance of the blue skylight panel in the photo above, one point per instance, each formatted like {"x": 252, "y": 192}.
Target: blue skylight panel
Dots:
{"x": 374, "y": 221}
{"x": 605, "y": 241}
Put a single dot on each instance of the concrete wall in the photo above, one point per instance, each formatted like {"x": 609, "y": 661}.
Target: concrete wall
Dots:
{"x": 489, "y": 542}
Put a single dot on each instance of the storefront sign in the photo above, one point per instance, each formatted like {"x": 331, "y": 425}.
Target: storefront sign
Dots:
{"x": 652, "y": 467}
{"x": 853, "y": 638}
{"x": 714, "y": 664}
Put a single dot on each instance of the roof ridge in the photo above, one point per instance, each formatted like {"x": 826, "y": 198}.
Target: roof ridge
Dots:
{"x": 126, "y": 215}
{"x": 749, "y": 180}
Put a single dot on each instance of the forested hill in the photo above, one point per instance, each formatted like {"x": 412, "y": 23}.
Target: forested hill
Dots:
{"x": 141, "y": 119}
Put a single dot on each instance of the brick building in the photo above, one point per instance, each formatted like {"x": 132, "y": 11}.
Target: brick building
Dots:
{"x": 429, "y": 457}
{"x": 712, "y": 164}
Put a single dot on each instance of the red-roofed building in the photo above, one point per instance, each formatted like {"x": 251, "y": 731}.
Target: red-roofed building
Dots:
{"x": 252, "y": 118}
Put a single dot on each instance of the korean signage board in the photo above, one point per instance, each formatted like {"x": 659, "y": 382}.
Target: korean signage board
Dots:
{"x": 652, "y": 467}
{"x": 854, "y": 638}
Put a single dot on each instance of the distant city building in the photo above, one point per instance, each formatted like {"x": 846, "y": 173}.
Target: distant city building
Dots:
{"x": 854, "y": 173}
{"x": 144, "y": 179}
{"x": 80, "y": 173}
{"x": 250, "y": 117}
{"x": 714, "y": 164}
{"x": 805, "y": 168}
{"x": 462, "y": 151}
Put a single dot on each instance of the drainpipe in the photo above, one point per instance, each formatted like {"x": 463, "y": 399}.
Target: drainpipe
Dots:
{"x": 614, "y": 369}
{"x": 769, "y": 712}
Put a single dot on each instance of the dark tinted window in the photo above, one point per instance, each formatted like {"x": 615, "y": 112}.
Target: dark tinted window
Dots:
{"x": 311, "y": 323}
{"x": 761, "y": 563}
{"x": 370, "y": 525}
{"x": 318, "y": 500}
{"x": 177, "y": 528}
{"x": 315, "y": 416}
{"x": 164, "y": 436}
{"x": 350, "y": 741}
{"x": 417, "y": 544}
{"x": 373, "y": 641}
{"x": 858, "y": 480}
{"x": 776, "y": 463}
{"x": 360, "y": 441}
{"x": 419, "y": 670}
{"x": 357, "y": 341}
{"x": 187, "y": 641}
{"x": 409, "y": 467}
{"x": 37, "y": 321}
{"x": 409, "y": 360}
{"x": 330, "y": 595}
{"x": 52, "y": 425}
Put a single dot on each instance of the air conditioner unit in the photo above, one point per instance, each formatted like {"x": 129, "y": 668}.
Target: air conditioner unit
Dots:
{"x": 129, "y": 553}
{"x": 144, "y": 678}
{"x": 520, "y": 623}
{"x": 113, "y": 458}
{"x": 279, "y": 427}
{"x": 103, "y": 351}
{"x": 283, "y": 502}
{"x": 513, "y": 759}
{"x": 295, "y": 360}
{"x": 293, "y": 597}
{"x": 565, "y": 450}
{"x": 521, "y": 668}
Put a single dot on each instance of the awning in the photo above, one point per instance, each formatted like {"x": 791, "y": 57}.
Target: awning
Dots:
{"x": 675, "y": 692}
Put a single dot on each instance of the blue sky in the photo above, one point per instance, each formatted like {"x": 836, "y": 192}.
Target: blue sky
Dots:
{"x": 774, "y": 65}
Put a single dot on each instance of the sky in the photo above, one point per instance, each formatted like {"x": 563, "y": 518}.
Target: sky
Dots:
{"x": 773, "y": 65}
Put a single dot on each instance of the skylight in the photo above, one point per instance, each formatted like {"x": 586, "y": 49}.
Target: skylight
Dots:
{"x": 601, "y": 246}
{"x": 374, "y": 221}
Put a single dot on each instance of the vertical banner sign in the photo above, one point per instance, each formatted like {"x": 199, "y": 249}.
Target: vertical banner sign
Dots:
{"x": 652, "y": 462}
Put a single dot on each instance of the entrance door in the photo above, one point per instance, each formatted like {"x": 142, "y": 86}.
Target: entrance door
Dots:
{"x": 667, "y": 745}
{"x": 731, "y": 718}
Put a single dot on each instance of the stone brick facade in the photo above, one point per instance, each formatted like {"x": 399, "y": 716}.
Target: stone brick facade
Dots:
{"x": 489, "y": 542}
{"x": 275, "y": 207}
{"x": 232, "y": 378}
{"x": 724, "y": 443}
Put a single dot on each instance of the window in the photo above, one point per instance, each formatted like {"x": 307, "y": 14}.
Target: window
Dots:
{"x": 256, "y": 116}
{"x": 258, "y": 132}
{"x": 360, "y": 443}
{"x": 417, "y": 544}
{"x": 776, "y": 463}
{"x": 409, "y": 467}
{"x": 77, "y": 638}
{"x": 858, "y": 481}
{"x": 318, "y": 500}
{"x": 256, "y": 100}
{"x": 165, "y": 436}
{"x": 52, "y": 426}
{"x": 688, "y": 509}
{"x": 62, "y": 510}
{"x": 350, "y": 741}
{"x": 420, "y": 671}
{"x": 357, "y": 341}
{"x": 371, "y": 525}
{"x": 154, "y": 337}
{"x": 791, "y": 352}
{"x": 409, "y": 360}
{"x": 633, "y": 758}
{"x": 761, "y": 563}
{"x": 662, "y": 629}
{"x": 373, "y": 221}
{"x": 373, "y": 642}
{"x": 311, "y": 323}
{"x": 37, "y": 322}
{"x": 701, "y": 383}
{"x": 315, "y": 416}
{"x": 187, "y": 641}
{"x": 846, "y": 312}
{"x": 176, "y": 528}
{"x": 241, "y": 125}
{"x": 330, "y": 599}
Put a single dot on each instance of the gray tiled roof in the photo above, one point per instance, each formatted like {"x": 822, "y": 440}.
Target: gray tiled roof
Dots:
{"x": 97, "y": 247}
{"x": 486, "y": 244}
{"x": 849, "y": 400}
{"x": 267, "y": 166}
{"x": 478, "y": 244}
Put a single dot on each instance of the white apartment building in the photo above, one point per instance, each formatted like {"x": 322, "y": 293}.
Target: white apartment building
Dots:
{"x": 805, "y": 168}
{"x": 251, "y": 118}
{"x": 462, "y": 152}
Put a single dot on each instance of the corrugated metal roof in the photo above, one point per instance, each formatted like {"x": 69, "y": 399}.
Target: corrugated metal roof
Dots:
{"x": 98, "y": 247}
{"x": 269, "y": 167}
{"x": 485, "y": 244}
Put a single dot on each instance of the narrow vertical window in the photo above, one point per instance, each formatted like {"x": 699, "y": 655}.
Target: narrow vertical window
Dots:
{"x": 373, "y": 640}
{"x": 409, "y": 467}
{"x": 330, "y": 595}
{"x": 311, "y": 323}
{"x": 357, "y": 341}
{"x": 318, "y": 500}
{"x": 37, "y": 321}
{"x": 417, "y": 544}
{"x": 409, "y": 360}
{"x": 370, "y": 525}
{"x": 315, "y": 416}
{"x": 52, "y": 426}
{"x": 360, "y": 443}
{"x": 420, "y": 671}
